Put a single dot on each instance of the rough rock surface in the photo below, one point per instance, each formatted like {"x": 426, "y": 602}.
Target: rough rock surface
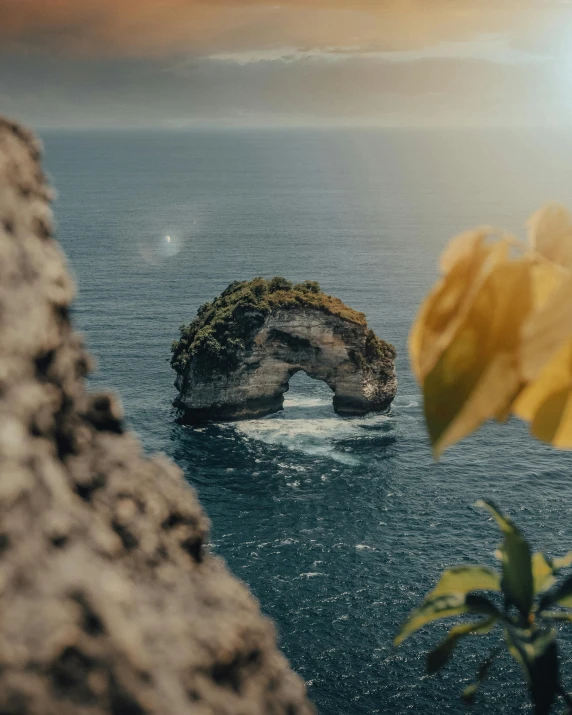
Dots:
{"x": 109, "y": 600}
{"x": 282, "y": 342}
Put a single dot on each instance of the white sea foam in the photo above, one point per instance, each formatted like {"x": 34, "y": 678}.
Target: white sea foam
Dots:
{"x": 293, "y": 467}
{"x": 306, "y": 402}
{"x": 314, "y": 437}
{"x": 311, "y": 574}
{"x": 327, "y": 427}
{"x": 406, "y": 402}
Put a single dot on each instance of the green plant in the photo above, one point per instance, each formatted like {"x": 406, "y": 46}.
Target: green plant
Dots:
{"x": 308, "y": 287}
{"x": 279, "y": 283}
{"x": 521, "y": 600}
{"x": 378, "y": 349}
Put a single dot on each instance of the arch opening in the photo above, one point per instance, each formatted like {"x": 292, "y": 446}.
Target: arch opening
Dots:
{"x": 307, "y": 394}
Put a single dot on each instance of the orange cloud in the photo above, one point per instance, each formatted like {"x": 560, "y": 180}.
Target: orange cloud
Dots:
{"x": 171, "y": 27}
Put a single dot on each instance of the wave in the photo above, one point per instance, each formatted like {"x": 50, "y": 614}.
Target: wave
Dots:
{"x": 312, "y": 574}
{"x": 317, "y": 437}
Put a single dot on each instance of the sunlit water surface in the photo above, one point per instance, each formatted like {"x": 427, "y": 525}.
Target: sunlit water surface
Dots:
{"x": 338, "y": 526}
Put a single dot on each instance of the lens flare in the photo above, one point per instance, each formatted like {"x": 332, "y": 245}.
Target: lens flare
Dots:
{"x": 156, "y": 248}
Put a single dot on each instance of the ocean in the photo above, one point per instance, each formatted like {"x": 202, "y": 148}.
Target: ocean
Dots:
{"x": 338, "y": 526}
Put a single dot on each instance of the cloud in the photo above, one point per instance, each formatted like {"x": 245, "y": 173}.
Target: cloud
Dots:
{"x": 101, "y": 92}
{"x": 180, "y": 62}
{"x": 487, "y": 48}
{"x": 203, "y": 27}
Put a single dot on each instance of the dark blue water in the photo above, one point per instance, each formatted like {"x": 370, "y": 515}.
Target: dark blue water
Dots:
{"x": 338, "y": 526}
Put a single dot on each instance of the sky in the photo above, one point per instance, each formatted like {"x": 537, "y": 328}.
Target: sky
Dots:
{"x": 184, "y": 63}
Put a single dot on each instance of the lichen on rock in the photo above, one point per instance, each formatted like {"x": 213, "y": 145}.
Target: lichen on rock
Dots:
{"x": 236, "y": 358}
{"x": 110, "y": 601}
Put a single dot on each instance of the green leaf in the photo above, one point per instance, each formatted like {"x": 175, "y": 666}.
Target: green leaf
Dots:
{"x": 431, "y": 610}
{"x": 542, "y": 573}
{"x": 536, "y": 652}
{"x": 562, "y": 595}
{"x": 504, "y": 522}
{"x": 470, "y": 691}
{"x": 517, "y": 581}
{"x": 476, "y": 603}
{"x": 445, "y": 606}
{"x": 517, "y": 650}
{"x": 464, "y": 579}
{"x": 557, "y": 615}
{"x": 438, "y": 657}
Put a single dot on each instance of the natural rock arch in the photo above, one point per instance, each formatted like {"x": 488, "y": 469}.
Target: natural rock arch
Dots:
{"x": 236, "y": 359}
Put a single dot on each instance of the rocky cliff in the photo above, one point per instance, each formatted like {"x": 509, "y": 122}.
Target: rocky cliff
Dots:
{"x": 236, "y": 359}
{"x": 110, "y": 601}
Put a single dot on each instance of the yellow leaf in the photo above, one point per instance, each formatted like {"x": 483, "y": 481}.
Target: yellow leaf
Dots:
{"x": 553, "y": 421}
{"x": 548, "y": 327}
{"x": 546, "y": 279}
{"x": 476, "y": 377}
{"x": 547, "y": 401}
{"x": 467, "y": 264}
{"x": 493, "y": 337}
{"x": 550, "y": 234}
{"x": 555, "y": 376}
{"x": 466, "y": 245}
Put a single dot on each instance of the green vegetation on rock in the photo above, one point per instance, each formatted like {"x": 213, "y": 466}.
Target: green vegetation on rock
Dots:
{"x": 222, "y": 328}
{"x": 378, "y": 349}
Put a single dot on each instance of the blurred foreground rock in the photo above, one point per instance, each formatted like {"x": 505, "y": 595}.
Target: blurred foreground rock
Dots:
{"x": 109, "y": 600}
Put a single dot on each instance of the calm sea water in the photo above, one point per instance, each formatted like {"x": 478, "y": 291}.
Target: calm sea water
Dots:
{"x": 338, "y": 526}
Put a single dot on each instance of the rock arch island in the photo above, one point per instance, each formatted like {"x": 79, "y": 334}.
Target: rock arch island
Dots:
{"x": 235, "y": 360}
